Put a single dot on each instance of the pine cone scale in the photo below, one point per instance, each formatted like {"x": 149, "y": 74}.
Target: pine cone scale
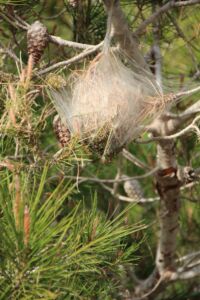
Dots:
{"x": 61, "y": 131}
{"x": 37, "y": 40}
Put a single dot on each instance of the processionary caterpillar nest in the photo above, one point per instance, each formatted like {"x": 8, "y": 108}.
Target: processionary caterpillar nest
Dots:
{"x": 106, "y": 104}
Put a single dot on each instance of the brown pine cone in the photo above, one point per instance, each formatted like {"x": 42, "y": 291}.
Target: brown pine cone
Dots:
{"x": 62, "y": 132}
{"x": 37, "y": 40}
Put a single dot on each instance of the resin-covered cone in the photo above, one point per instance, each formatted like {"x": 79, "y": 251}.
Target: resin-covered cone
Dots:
{"x": 37, "y": 40}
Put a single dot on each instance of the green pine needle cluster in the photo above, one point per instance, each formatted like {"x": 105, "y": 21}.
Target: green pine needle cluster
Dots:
{"x": 45, "y": 255}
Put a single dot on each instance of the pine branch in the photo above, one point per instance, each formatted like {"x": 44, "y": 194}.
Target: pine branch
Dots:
{"x": 70, "y": 61}
{"x": 44, "y": 252}
{"x": 169, "y": 5}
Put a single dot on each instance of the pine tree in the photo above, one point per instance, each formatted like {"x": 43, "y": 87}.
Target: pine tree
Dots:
{"x": 66, "y": 229}
{"x": 51, "y": 246}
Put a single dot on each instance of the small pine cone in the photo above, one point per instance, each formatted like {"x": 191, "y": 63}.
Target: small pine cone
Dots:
{"x": 133, "y": 189}
{"x": 37, "y": 40}
{"x": 62, "y": 132}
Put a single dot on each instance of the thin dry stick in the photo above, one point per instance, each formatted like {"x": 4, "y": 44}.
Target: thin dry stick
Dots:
{"x": 171, "y": 4}
{"x": 17, "y": 22}
{"x": 10, "y": 53}
{"x": 65, "y": 43}
{"x": 26, "y": 225}
{"x": 190, "y": 127}
{"x": 124, "y": 198}
{"x": 141, "y": 200}
{"x": 81, "y": 178}
{"x": 17, "y": 200}
{"x": 12, "y": 110}
{"x": 29, "y": 70}
{"x": 116, "y": 186}
{"x": 132, "y": 158}
{"x": 185, "y": 275}
{"x": 70, "y": 61}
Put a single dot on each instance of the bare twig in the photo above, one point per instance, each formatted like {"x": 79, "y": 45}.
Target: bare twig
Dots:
{"x": 13, "y": 21}
{"x": 189, "y": 257}
{"x": 169, "y": 5}
{"x": 70, "y": 61}
{"x": 187, "y": 43}
{"x": 188, "y": 92}
{"x": 132, "y": 158}
{"x": 141, "y": 200}
{"x": 56, "y": 15}
{"x": 124, "y": 198}
{"x": 185, "y": 275}
{"x": 61, "y": 42}
{"x": 10, "y": 53}
{"x": 190, "y": 111}
{"x": 17, "y": 22}
{"x": 190, "y": 127}
{"x": 98, "y": 180}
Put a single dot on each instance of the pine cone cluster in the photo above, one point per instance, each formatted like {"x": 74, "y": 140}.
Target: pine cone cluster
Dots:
{"x": 37, "y": 40}
{"x": 62, "y": 132}
{"x": 133, "y": 189}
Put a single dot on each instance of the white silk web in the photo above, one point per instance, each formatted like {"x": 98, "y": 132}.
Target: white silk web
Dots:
{"x": 107, "y": 102}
